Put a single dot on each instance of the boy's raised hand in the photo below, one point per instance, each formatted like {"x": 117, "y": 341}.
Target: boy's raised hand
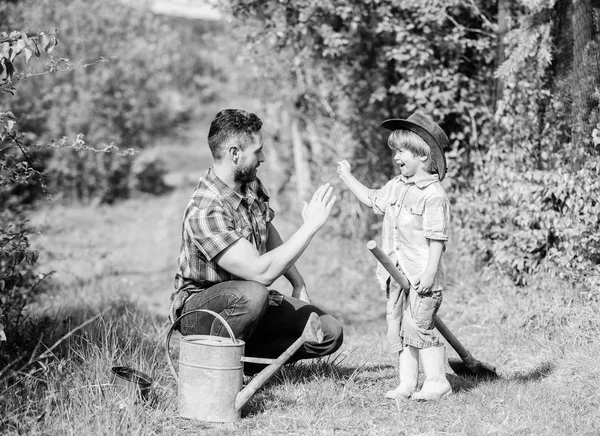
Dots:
{"x": 344, "y": 169}
{"x": 316, "y": 212}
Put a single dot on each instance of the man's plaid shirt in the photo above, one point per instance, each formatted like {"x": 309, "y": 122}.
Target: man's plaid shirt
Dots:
{"x": 216, "y": 217}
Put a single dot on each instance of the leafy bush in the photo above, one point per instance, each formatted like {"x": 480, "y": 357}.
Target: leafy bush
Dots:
{"x": 17, "y": 281}
{"x": 148, "y": 175}
{"x": 153, "y": 81}
{"x": 522, "y": 167}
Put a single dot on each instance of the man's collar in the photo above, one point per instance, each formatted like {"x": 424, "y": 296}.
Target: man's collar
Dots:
{"x": 228, "y": 194}
{"x": 421, "y": 181}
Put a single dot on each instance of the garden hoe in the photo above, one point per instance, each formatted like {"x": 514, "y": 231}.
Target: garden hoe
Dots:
{"x": 467, "y": 365}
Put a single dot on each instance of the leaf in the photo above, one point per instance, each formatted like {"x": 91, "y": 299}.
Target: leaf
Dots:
{"x": 32, "y": 45}
{"x": 3, "y": 74}
{"x": 4, "y": 49}
{"x": 53, "y": 43}
{"x": 2, "y": 334}
{"x": 28, "y": 53}
{"x": 17, "y": 47}
{"x": 44, "y": 41}
{"x": 32, "y": 256}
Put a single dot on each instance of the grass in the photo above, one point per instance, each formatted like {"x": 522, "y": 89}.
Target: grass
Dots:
{"x": 119, "y": 262}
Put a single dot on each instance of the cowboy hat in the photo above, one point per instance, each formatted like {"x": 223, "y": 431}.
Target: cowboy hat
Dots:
{"x": 431, "y": 133}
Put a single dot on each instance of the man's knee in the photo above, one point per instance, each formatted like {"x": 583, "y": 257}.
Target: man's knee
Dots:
{"x": 256, "y": 296}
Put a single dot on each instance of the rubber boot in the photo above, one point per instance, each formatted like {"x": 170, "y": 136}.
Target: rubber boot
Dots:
{"x": 408, "y": 363}
{"x": 435, "y": 385}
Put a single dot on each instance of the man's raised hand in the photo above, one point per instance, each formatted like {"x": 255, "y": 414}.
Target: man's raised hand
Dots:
{"x": 316, "y": 212}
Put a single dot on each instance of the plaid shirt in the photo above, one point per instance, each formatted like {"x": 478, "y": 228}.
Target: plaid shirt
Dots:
{"x": 216, "y": 217}
{"x": 415, "y": 210}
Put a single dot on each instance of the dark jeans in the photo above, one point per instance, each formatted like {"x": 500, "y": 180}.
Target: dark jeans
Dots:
{"x": 267, "y": 330}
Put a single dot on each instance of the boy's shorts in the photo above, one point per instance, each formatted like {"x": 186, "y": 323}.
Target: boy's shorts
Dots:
{"x": 411, "y": 320}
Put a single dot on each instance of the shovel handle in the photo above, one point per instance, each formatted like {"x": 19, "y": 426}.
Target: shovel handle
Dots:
{"x": 178, "y": 320}
{"x": 401, "y": 279}
{"x": 390, "y": 266}
{"x": 454, "y": 342}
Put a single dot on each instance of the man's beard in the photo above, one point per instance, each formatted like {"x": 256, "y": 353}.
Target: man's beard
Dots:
{"x": 244, "y": 174}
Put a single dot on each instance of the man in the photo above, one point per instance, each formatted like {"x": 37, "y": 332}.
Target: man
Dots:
{"x": 231, "y": 251}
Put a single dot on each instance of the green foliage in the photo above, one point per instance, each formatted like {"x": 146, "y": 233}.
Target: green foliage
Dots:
{"x": 143, "y": 81}
{"x": 533, "y": 205}
{"x": 17, "y": 281}
{"x": 148, "y": 175}
{"x": 348, "y": 65}
{"x": 522, "y": 166}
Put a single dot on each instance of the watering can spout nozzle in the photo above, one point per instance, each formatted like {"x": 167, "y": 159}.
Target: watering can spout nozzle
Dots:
{"x": 313, "y": 332}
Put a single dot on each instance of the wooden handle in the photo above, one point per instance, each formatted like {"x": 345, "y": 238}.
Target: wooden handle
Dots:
{"x": 312, "y": 332}
{"x": 454, "y": 342}
{"x": 399, "y": 276}
{"x": 387, "y": 263}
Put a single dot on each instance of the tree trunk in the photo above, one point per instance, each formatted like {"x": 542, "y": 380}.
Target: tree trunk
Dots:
{"x": 302, "y": 169}
{"x": 586, "y": 57}
{"x": 503, "y": 16}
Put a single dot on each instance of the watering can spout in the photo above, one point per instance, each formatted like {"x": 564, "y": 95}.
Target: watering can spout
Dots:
{"x": 313, "y": 332}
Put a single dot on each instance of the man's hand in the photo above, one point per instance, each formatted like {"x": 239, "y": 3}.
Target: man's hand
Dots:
{"x": 316, "y": 212}
{"x": 301, "y": 294}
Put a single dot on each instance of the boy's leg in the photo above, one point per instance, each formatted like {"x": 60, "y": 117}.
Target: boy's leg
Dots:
{"x": 395, "y": 303}
{"x": 242, "y": 304}
{"x": 282, "y": 325}
{"x": 396, "y": 298}
{"x": 435, "y": 385}
{"x": 408, "y": 362}
{"x": 418, "y": 330}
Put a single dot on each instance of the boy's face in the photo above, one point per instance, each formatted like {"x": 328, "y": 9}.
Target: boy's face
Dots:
{"x": 409, "y": 163}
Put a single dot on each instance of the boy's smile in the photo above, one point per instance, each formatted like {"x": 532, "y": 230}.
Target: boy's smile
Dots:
{"x": 409, "y": 163}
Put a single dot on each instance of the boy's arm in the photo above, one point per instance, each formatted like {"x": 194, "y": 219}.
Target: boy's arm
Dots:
{"x": 358, "y": 189}
{"x": 425, "y": 283}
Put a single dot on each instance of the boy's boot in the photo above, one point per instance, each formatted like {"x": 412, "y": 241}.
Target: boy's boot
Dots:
{"x": 435, "y": 385}
{"x": 408, "y": 362}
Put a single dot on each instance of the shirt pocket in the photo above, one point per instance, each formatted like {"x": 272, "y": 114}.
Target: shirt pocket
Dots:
{"x": 245, "y": 231}
{"x": 412, "y": 215}
{"x": 391, "y": 211}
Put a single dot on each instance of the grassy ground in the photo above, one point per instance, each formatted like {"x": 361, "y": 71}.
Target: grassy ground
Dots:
{"x": 119, "y": 262}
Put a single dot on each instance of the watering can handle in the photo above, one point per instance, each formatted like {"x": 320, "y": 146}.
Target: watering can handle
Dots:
{"x": 168, "y": 350}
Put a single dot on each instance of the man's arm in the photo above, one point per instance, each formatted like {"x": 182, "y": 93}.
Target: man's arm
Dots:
{"x": 292, "y": 274}
{"x": 243, "y": 260}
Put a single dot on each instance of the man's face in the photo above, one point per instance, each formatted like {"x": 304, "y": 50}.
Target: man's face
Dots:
{"x": 250, "y": 159}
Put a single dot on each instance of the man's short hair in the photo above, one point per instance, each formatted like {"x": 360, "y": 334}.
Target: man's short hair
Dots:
{"x": 405, "y": 139}
{"x": 231, "y": 124}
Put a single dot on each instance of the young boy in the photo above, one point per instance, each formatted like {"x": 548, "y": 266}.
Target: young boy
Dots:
{"x": 415, "y": 230}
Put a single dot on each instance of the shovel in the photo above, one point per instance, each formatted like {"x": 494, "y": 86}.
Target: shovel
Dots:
{"x": 467, "y": 365}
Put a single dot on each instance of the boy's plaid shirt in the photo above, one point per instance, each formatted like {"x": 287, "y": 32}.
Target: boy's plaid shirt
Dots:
{"x": 216, "y": 217}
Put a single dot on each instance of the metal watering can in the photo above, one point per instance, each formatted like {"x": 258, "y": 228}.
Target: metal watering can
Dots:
{"x": 211, "y": 370}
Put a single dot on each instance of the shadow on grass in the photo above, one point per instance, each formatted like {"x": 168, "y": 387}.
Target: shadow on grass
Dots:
{"x": 466, "y": 383}
{"x": 117, "y": 328}
{"x": 540, "y": 372}
{"x": 306, "y": 372}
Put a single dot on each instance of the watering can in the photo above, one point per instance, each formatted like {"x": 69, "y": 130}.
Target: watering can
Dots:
{"x": 211, "y": 370}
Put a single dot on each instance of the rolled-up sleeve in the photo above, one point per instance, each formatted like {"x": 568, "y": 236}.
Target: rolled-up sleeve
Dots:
{"x": 436, "y": 218}
{"x": 380, "y": 198}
